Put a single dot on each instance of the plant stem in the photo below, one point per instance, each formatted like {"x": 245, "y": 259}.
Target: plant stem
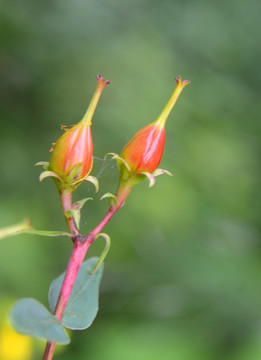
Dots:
{"x": 66, "y": 201}
{"x": 49, "y": 351}
{"x": 81, "y": 245}
{"x": 76, "y": 259}
{"x": 73, "y": 267}
{"x": 15, "y": 229}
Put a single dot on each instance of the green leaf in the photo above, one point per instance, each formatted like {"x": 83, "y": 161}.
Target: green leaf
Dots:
{"x": 26, "y": 228}
{"x": 44, "y": 232}
{"x": 82, "y": 306}
{"x": 30, "y": 317}
{"x": 12, "y": 230}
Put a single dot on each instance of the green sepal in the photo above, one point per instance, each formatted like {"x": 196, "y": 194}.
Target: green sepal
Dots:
{"x": 76, "y": 215}
{"x": 44, "y": 164}
{"x": 158, "y": 172}
{"x": 142, "y": 175}
{"x": 119, "y": 160}
{"x": 123, "y": 166}
{"x": 94, "y": 181}
{"x": 151, "y": 177}
{"x": 112, "y": 198}
{"x": 72, "y": 178}
{"x": 138, "y": 177}
{"x": 105, "y": 250}
{"x": 46, "y": 174}
{"x": 75, "y": 212}
{"x": 79, "y": 204}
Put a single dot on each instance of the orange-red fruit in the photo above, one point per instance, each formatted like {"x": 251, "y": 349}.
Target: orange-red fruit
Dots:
{"x": 71, "y": 158}
{"x": 73, "y": 151}
{"x": 144, "y": 152}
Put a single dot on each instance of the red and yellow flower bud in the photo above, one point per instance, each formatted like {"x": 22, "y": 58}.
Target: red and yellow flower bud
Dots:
{"x": 144, "y": 152}
{"x": 71, "y": 158}
{"x": 141, "y": 156}
{"x": 73, "y": 153}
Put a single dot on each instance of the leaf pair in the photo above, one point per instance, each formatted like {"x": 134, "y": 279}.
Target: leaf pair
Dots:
{"x": 30, "y": 317}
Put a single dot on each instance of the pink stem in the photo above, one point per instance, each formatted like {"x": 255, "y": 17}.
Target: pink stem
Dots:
{"x": 81, "y": 245}
{"x": 49, "y": 351}
{"x": 76, "y": 259}
{"x": 73, "y": 267}
{"x": 66, "y": 201}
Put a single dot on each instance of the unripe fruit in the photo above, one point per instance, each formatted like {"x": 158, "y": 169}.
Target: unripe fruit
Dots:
{"x": 72, "y": 154}
{"x": 71, "y": 159}
{"x": 144, "y": 152}
{"x": 141, "y": 156}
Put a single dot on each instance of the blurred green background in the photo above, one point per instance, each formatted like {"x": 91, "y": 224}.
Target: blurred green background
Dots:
{"x": 182, "y": 280}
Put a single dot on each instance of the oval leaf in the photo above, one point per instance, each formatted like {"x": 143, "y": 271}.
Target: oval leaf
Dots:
{"x": 82, "y": 306}
{"x": 30, "y": 317}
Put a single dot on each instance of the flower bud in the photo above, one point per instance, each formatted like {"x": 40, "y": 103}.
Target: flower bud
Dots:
{"x": 141, "y": 156}
{"x": 144, "y": 152}
{"x": 71, "y": 159}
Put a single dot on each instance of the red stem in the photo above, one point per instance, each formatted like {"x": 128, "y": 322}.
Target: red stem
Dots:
{"x": 81, "y": 245}
{"x": 66, "y": 201}
{"x": 49, "y": 351}
{"x": 73, "y": 267}
{"x": 76, "y": 259}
